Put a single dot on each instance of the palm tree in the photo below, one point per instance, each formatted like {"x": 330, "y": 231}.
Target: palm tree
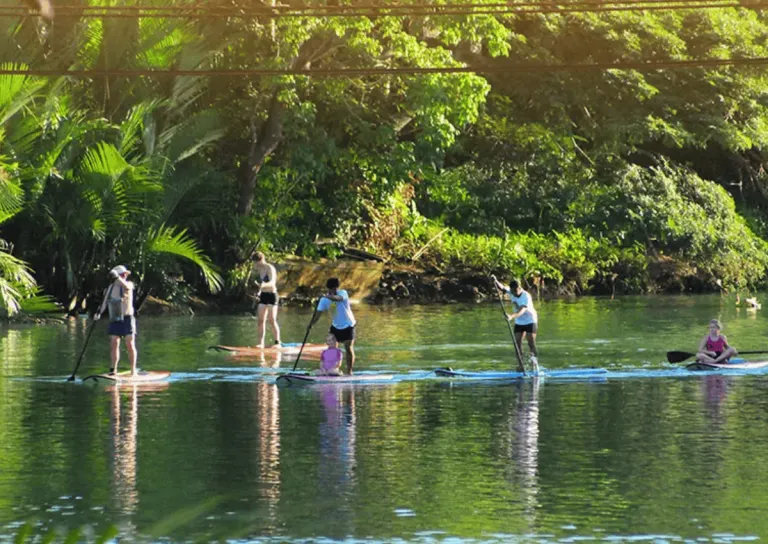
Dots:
{"x": 87, "y": 193}
{"x": 18, "y": 289}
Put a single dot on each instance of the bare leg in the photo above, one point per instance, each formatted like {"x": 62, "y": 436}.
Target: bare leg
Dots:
{"x": 349, "y": 346}
{"x": 114, "y": 352}
{"x": 724, "y": 356}
{"x": 262, "y": 317}
{"x": 532, "y": 344}
{"x": 704, "y": 357}
{"x": 272, "y": 314}
{"x": 130, "y": 344}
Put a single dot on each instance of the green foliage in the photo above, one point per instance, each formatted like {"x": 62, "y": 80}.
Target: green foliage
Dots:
{"x": 572, "y": 259}
{"x": 583, "y": 179}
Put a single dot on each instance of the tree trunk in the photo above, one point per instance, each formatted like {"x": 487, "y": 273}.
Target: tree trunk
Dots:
{"x": 268, "y": 137}
{"x": 263, "y": 143}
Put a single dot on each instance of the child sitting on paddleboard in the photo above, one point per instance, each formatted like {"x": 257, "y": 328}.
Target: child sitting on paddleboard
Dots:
{"x": 714, "y": 347}
{"x": 330, "y": 359}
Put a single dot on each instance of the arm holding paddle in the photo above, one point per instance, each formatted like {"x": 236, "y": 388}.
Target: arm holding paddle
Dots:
{"x": 507, "y": 289}
{"x": 500, "y": 286}
{"x": 320, "y": 307}
{"x": 713, "y": 348}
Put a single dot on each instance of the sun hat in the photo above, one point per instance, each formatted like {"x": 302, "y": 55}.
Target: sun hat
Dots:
{"x": 119, "y": 270}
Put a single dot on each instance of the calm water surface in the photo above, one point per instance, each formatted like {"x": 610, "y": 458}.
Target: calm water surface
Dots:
{"x": 650, "y": 452}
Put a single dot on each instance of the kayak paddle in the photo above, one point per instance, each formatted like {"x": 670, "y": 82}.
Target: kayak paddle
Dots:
{"x": 520, "y": 366}
{"x": 309, "y": 328}
{"x": 680, "y": 356}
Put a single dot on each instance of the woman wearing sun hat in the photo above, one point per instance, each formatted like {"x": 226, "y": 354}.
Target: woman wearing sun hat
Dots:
{"x": 118, "y": 298}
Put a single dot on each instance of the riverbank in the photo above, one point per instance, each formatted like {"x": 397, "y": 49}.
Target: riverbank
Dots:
{"x": 373, "y": 282}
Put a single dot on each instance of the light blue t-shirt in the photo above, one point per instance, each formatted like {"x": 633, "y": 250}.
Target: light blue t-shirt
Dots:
{"x": 343, "y": 318}
{"x": 529, "y": 316}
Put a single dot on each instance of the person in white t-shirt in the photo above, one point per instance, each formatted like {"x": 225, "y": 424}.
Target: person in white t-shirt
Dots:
{"x": 343, "y": 324}
{"x": 525, "y": 316}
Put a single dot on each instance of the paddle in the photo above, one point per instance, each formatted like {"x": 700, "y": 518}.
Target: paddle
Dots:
{"x": 309, "y": 328}
{"x": 79, "y": 359}
{"x": 520, "y": 366}
{"x": 680, "y": 356}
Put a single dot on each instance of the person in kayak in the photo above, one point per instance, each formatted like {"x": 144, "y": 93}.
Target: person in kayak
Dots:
{"x": 118, "y": 298}
{"x": 714, "y": 347}
{"x": 269, "y": 300}
{"x": 330, "y": 359}
{"x": 343, "y": 324}
{"x": 525, "y": 317}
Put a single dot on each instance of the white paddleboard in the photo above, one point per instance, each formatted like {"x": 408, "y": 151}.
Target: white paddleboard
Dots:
{"x": 127, "y": 378}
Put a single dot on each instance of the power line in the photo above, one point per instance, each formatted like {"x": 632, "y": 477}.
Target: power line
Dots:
{"x": 334, "y": 72}
{"x": 193, "y": 12}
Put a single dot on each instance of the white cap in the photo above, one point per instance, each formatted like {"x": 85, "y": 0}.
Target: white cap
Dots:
{"x": 119, "y": 270}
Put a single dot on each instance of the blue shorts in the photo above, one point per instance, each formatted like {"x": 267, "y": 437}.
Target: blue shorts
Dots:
{"x": 126, "y": 327}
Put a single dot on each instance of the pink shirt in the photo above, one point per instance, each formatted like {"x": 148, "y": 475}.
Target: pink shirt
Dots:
{"x": 717, "y": 346}
{"x": 330, "y": 359}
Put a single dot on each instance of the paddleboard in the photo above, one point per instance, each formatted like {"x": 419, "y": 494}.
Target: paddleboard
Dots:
{"x": 247, "y": 351}
{"x": 571, "y": 373}
{"x": 308, "y": 379}
{"x": 743, "y": 365}
{"x": 125, "y": 377}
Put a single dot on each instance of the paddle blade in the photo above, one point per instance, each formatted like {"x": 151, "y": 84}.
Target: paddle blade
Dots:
{"x": 678, "y": 356}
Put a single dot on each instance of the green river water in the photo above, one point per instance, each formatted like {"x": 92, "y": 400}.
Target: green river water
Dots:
{"x": 648, "y": 452}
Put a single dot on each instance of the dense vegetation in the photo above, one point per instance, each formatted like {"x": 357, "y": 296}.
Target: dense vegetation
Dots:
{"x": 638, "y": 180}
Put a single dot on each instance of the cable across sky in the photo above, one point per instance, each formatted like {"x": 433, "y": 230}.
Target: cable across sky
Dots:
{"x": 336, "y": 72}
{"x": 193, "y": 11}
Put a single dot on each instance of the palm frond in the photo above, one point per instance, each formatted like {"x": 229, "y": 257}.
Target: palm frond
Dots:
{"x": 133, "y": 126}
{"x": 186, "y": 139}
{"x": 10, "y": 297}
{"x": 38, "y": 303}
{"x": 169, "y": 241}
{"x": 105, "y": 160}
{"x": 15, "y": 279}
{"x": 11, "y": 196}
{"x": 16, "y": 91}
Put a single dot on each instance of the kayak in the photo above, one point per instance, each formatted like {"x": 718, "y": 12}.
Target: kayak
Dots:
{"x": 740, "y": 365}
{"x": 126, "y": 378}
{"x": 574, "y": 374}
{"x": 309, "y": 379}
{"x": 248, "y": 351}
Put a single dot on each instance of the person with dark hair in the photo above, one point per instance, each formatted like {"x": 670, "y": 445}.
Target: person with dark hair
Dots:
{"x": 269, "y": 301}
{"x": 343, "y": 324}
{"x": 525, "y": 317}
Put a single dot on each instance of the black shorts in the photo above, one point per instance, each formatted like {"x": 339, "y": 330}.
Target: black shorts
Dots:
{"x": 270, "y": 299}
{"x": 530, "y": 327}
{"x": 343, "y": 335}
{"x": 124, "y": 327}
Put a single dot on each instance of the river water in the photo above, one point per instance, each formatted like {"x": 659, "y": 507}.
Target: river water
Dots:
{"x": 649, "y": 451}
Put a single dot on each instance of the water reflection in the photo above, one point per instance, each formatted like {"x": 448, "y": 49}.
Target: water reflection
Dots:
{"x": 338, "y": 437}
{"x": 715, "y": 389}
{"x": 523, "y": 447}
{"x": 124, "y": 424}
{"x": 268, "y": 425}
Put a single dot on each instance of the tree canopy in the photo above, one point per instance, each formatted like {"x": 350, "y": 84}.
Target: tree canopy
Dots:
{"x": 584, "y": 149}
